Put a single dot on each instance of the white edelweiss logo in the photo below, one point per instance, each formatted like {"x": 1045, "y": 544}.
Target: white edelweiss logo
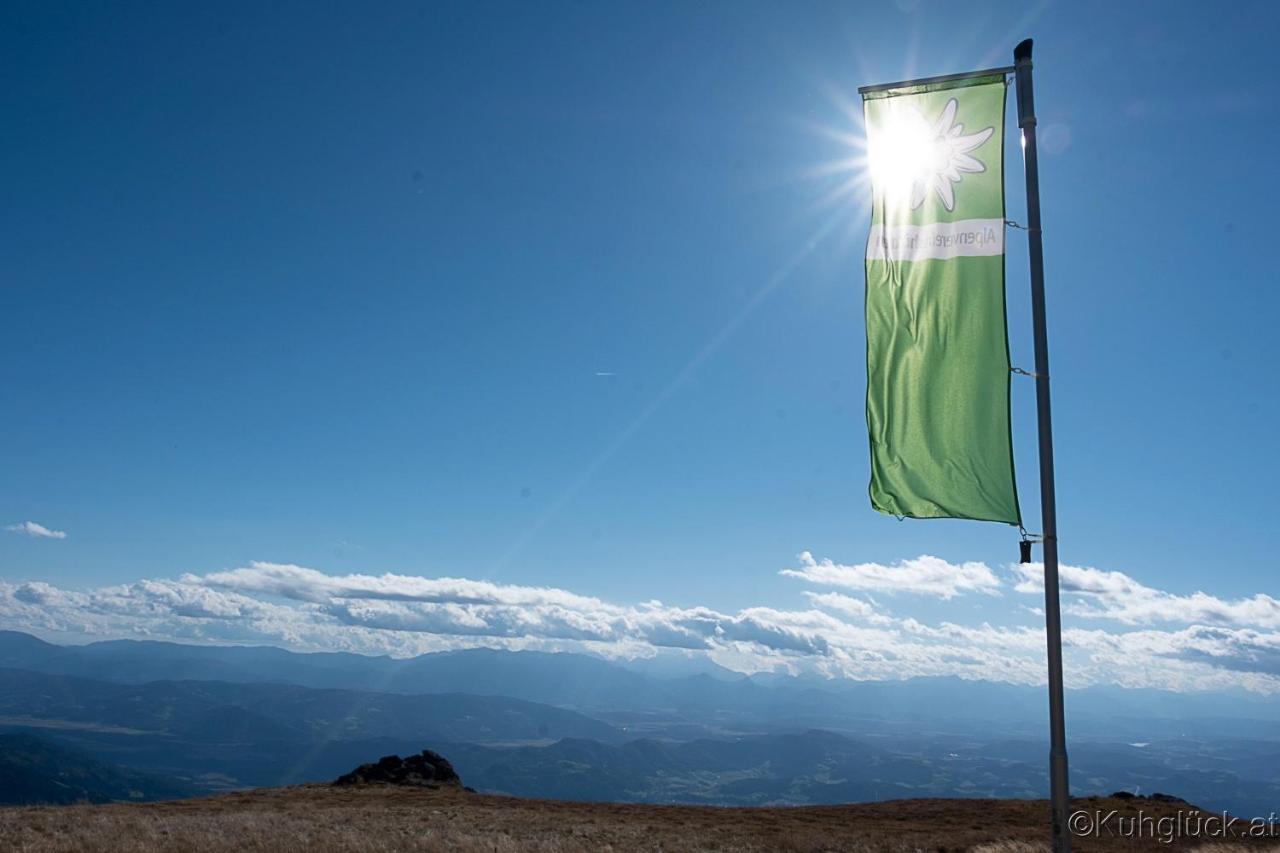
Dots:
{"x": 914, "y": 157}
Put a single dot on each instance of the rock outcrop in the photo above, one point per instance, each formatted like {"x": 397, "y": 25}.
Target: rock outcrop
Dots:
{"x": 1153, "y": 798}
{"x": 425, "y": 770}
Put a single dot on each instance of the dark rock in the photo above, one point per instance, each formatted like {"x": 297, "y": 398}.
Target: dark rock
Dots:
{"x": 426, "y": 770}
{"x": 1150, "y": 798}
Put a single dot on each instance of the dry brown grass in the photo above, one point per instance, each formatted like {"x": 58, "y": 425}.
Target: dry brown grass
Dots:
{"x": 321, "y": 819}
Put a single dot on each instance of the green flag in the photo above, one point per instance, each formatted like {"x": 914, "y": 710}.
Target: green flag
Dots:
{"x": 937, "y": 346}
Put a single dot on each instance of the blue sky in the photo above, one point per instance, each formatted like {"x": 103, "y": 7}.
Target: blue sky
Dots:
{"x": 567, "y": 295}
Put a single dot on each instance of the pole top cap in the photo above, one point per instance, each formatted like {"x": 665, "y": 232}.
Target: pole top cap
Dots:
{"x": 1022, "y": 53}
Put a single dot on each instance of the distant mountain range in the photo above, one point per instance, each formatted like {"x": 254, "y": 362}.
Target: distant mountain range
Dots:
{"x": 573, "y": 726}
{"x": 709, "y": 702}
{"x": 217, "y": 734}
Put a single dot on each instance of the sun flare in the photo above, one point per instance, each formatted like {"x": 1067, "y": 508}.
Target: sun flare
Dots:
{"x": 911, "y": 157}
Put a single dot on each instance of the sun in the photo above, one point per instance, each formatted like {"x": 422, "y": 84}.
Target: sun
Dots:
{"x": 912, "y": 158}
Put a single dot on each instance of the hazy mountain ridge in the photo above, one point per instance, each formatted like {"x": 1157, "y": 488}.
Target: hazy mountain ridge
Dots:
{"x": 214, "y": 710}
{"x": 220, "y": 734}
{"x": 633, "y": 736}
{"x": 629, "y": 698}
{"x": 222, "y": 717}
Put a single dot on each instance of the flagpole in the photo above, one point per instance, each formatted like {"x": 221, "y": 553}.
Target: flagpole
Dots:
{"x": 1058, "y": 780}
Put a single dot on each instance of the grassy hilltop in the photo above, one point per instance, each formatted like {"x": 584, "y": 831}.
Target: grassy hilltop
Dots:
{"x": 380, "y": 819}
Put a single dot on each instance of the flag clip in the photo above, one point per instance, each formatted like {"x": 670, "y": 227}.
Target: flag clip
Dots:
{"x": 1021, "y": 227}
{"x": 1024, "y": 545}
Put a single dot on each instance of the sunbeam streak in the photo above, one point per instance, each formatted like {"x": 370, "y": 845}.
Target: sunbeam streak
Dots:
{"x": 705, "y": 352}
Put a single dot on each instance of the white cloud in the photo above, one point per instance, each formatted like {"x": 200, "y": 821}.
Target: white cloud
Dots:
{"x": 924, "y": 575}
{"x": 1191, "y": 659}
{"x": 834, "y": 634}
{"x": 1099, "y": 594}
{"x": 303, "y": 584}
{"x": 849, "y": 606}
{"x": 39, "y": 531}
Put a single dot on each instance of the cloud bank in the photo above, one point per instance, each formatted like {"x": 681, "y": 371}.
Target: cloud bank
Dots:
{"x": 1151, "y": 638}
{"x": 1114, "y": 595}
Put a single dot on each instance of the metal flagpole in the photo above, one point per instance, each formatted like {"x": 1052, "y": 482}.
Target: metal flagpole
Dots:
{"x": 1058, "y": 782}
